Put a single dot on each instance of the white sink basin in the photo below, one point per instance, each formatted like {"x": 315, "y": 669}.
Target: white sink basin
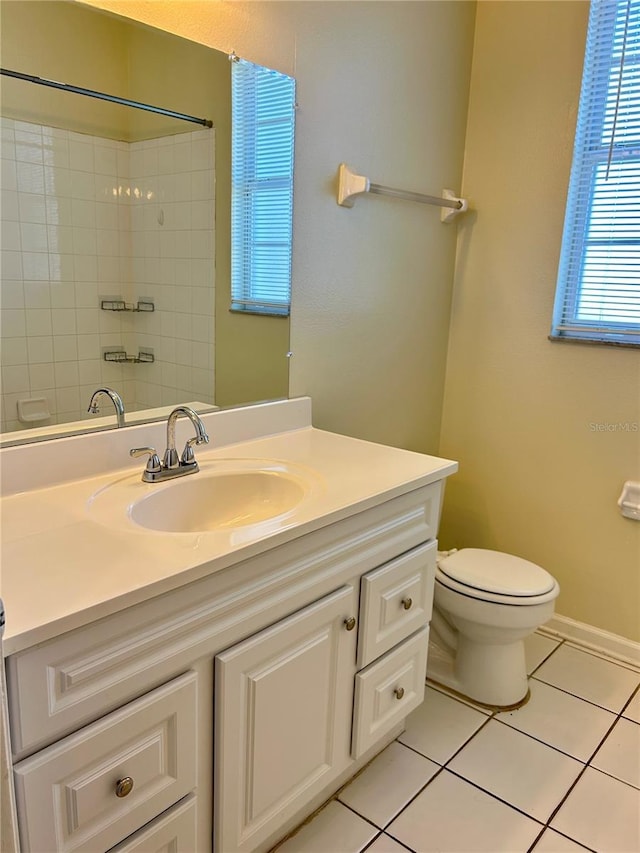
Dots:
{"x": 221, "y": 496}
{"x": 195, "y": 503}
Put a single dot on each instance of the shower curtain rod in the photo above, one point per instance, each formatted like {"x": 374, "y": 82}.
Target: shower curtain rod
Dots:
{"x": 78, "y": 90}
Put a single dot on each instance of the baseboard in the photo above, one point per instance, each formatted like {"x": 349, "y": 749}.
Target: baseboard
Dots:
{"x": 611, "y": 645}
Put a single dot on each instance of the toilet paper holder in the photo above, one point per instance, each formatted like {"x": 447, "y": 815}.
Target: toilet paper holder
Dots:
{"x": 629, "y": 500}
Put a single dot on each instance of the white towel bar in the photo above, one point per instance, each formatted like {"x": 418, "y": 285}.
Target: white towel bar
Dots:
{"x": 350, "y": 185}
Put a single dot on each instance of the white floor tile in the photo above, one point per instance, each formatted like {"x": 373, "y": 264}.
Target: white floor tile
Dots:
{"x": 589, "y": 677}
{"x": 601, "y": 813}
{"x": 537, "y": 647}
{"x": 602, "y": 653}
{"x": 632, "y": 711}
{"x": 452, "y": 815}
{"x": 516, "y": 768}
{"x": 388, "y": 783}
{"x": 619, "y": 755}
{"x": 553, "y": 842}
{"x": 385, "y": 844}
{"x": 561, "y": 720}
{"x": 440, "y": 726}
{"x": 335, "y": 829}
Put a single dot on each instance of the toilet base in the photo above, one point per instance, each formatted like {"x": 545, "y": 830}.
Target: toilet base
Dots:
{"x": 492, "y": 676}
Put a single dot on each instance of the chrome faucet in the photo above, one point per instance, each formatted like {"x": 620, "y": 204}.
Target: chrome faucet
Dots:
{"x": 172, "y": 466}
{"x": 115, "y": 398}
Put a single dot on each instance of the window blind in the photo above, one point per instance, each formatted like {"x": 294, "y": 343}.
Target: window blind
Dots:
{"x": 263, "y": 105}
{"x": 598, "y": 290}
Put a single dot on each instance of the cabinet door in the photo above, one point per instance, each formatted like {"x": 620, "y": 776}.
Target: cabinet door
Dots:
{"x": 283, "y": 719}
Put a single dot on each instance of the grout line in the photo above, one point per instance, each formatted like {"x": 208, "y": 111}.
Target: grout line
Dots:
{"x": 363, "y": 817}
{"x": 628, "y": 702}
{"x": 438, "y": 772}
{"x": 582, "y": 772}
{"x": 496, "y": 797}
{"x": 537, "y": 838}
{"x": 415, "y": 796}
{"x": 550, "y": 745}
{"x": 373, "y": 840}
{"x": 479, "y": 729}
{"x": 617, "y": 778}
{"x": 564, "y": 835}
{"x": 546, "y": 658}
{"x": 588, "y": 701}
{"x": 489, "y": 716}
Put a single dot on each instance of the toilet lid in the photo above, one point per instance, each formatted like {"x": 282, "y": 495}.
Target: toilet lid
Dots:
{"x": 494, "y": 571}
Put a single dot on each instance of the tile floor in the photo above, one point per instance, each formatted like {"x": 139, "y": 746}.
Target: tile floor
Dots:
{"x": 560, "y": 775}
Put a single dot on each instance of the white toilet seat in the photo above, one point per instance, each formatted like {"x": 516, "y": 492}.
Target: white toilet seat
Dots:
{"x": 494, "y": 576}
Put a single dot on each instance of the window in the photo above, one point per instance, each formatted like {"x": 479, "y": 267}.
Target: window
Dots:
{"x": 263, "y": 105}
{"x": 598, "y": 291}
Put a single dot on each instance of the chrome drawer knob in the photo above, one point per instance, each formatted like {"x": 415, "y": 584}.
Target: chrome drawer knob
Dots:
{"x": 406, "y": 603}
{"x": 124, "y": 786}
{"x": 398, "y": 692}
{"x": 350, "y": 623}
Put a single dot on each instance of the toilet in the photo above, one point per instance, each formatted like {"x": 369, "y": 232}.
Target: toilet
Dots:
{"x": 485, "y": 604}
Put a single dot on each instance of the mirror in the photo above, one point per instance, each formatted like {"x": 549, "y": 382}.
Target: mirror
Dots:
{"x": 117, "y": 229}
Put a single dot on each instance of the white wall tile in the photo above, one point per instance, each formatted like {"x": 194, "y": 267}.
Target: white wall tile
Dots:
{"x": 41, "y": 376}
{"x": 32, "y": 207}
{"x": 38, "y": 321}
{"x": 68, "y": 400}
{"x": 13, "y": 323}
{"x": 63, "y": 294}
{"x": 12, "y": 294}
{"x": 35, "y": 265}
{"x": 81, "y": 155}
{"x": 85, "y": 268}
{"x": 60, "y": 238}
{"x": 15, "y": 378}
{"x": 81, "y": 223}
{"x": 40, "y": 349}
{"x": 8, "y": 174}
{"x": 37, "y": 294}
{"x": 30, "y": 177}
{"x": 65, "y": 348}
{"x": 14, "y": 351}
{"x": 9, "y": 209}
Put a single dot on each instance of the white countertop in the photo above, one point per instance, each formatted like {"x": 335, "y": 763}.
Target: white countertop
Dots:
{"x": 64, "y": 565}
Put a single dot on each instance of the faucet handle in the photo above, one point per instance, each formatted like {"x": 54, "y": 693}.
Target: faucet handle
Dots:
{"x": 188, "y": 456}
{"x": 153, "y": 463}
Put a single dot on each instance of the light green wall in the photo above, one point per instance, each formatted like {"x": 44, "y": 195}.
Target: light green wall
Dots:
{"x": 535, "y": 478}
{"x": 63, "y": 42}
{"x": 382, "y": 86}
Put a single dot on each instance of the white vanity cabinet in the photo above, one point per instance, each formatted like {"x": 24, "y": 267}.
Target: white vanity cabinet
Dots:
{"x": 287, "y": 724}
{"x": 237, "y": 703}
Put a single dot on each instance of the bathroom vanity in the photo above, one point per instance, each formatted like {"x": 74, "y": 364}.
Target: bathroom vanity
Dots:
{"x": 202, "y": 688}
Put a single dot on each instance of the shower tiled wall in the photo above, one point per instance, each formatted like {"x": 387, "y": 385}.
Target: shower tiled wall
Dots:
{"x": 86, "y": 218}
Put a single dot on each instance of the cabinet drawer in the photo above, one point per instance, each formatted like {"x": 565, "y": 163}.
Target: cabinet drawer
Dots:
{"x": 388, "y": 690}
{"x": 395, "y": 601}
{"x": 67, "y": 793}
{"x": 172, "y": 832}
